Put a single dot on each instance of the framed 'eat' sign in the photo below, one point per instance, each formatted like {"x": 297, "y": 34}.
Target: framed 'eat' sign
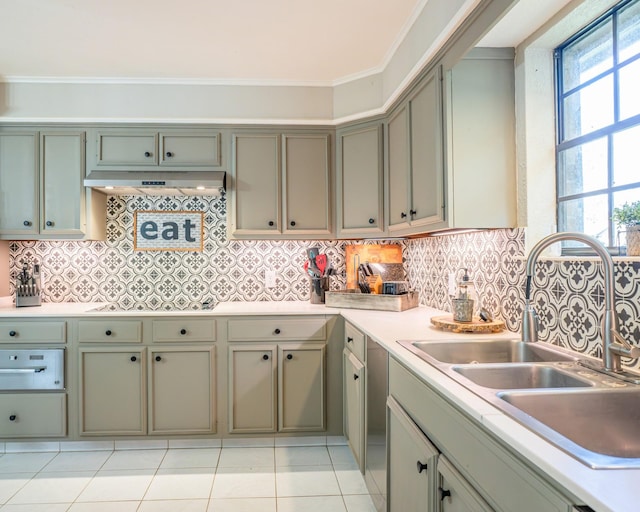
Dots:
{"x": 168, "y": 231}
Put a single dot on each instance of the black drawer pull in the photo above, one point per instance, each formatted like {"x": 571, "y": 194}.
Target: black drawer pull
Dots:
{"x": 147, "y": 154}
{"x": 402, "y": 215}
{"x": 49, "y": 223}
{"x": 413, "y": 212}
{"x": 169, "y": 154}
{"x": 271, "y": 223}
{"x": 277, "y": 331}
{"x": 265, "y": 357}
{"x": 13, "y": 334}
{"x": 289, "y": 357}
{"x": 13, "y": 417}
{"x": 183, "y": 331}
{"x": 158, "y": 358}
{"x": 293, "y": 223}
{"x": 27, "y": 223}
{"x": 108, "y": 332}
{"x": 371, "y": 221}
{"x": 356, "y": 376}
{"x": 349, "y": 339}
{"x": 444, "y": 493}
{"x": 421, "y": 466}
{"x": 134, "y": 359}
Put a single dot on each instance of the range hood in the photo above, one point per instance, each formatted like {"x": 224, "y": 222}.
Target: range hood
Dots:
{"x": 157, "y": 183}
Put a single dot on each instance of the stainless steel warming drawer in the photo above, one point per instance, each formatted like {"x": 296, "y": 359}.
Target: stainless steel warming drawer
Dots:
{"x": 31, "y": 369}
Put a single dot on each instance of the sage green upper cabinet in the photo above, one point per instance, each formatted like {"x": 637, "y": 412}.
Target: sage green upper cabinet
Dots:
{"x": 281, "y": 185}
{"x": 360, "y": 181}
{"x": 480, "y": 135}
{"x": 415, "y": 160}
{"x": 18, "y": 183}
{"x": 126, "y": 148}
{"x": 255, "y": 191}
{"x": 41, "y": 177}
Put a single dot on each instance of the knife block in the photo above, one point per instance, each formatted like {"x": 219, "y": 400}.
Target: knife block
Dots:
{"x": 29, "y": 294}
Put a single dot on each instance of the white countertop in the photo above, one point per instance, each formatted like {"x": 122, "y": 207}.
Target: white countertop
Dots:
{"x": 603, "y": 490}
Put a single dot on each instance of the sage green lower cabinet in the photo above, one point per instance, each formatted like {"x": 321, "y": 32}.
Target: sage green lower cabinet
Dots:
{"x": 116, "y": 398}
{"x": 33, "y": 415}
{"x": 411, "y": 461}
{"x": 478, "y": 470}
{"x": 287, "y": 378}
{"x": 354, "y": 405}
{"x": 112, "y": 391}
{"x": 182, "y": 390}
{"x": 455, "y": 494}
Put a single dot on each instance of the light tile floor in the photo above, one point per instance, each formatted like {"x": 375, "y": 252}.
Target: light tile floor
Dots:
{"x": 228, "y": 479}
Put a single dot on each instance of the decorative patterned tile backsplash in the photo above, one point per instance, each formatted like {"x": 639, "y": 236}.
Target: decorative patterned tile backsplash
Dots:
{"x": 567, "y": 293}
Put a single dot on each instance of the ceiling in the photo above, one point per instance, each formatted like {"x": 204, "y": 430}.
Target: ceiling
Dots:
{"x": 239, "y": 41}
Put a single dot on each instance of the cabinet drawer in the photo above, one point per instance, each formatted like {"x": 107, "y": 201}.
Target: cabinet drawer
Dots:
{"x": 118, "y": 331}
{"x": 354, "y": 341}
{"x": 277, "y": 329}
{"x": 27, "y": 332}
{"x": 183, "y": 330}
{"x": 33, "y": 415}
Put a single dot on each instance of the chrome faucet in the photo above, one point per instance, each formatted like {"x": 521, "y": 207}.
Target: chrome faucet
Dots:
{"x": 613, "y": 344}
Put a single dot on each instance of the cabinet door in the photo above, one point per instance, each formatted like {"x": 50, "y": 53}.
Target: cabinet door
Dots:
{"x": 190, "y": 149}
{"x": 354, "y": 405}
{"x": 112, "y": 391}
{"x": 301, "y": 376}
{"x": 307, "y": 190}
{"x": 182, "y": 390}
{"x": 18, "y": 183}
{"x": 455, "y": 493}
{"x": 117, "y": 148}
{"x": 427, "y": 167}
{"x": 62, "y": 196}
{"x": 398, "y": 169}
{"x": 255, "y": 192}
{"x": 360, "y": 181}
{"x": 252, "y": 388}
{"x": 412, "y": 463}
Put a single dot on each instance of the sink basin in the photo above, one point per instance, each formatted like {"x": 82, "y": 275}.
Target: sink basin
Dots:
{"x": 520, "y": 376}
{"x": 492, "y": 351}
{"x": 604, "y": 421}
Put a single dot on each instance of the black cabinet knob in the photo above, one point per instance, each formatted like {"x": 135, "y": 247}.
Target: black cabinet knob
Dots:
{"x": 349, "y": 339}
{"x": 289, "y": 357}
{"x": 133, "y": 359}
{"x": 13, "y": 417}
{"x": 356, "y": 376}
{"x": 413, "y": 212}
{"x": 158, "y": 358}
{"x": 444, "y": 493}
{"x": 421, "y": 467}
{"x": 147, "y": 154}
{"x": 265, "y": 357}
{"x": 271, "y": 223}
{"x": 169, "y": 154}
{"x": 402, "y": 215}
{"x": 277, "y": 331}
{"x": 13, "y": 334}
{"x": 293, "y": 223}
{"x": 371, "y": 221}
{"x": 27, "y": 223}
{"x": 183, "y": 331}
{"x": 49, "y": 223}
{"x": 108, "y": 332}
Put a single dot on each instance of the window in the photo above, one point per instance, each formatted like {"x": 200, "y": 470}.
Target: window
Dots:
{"x": 598, "y": 124}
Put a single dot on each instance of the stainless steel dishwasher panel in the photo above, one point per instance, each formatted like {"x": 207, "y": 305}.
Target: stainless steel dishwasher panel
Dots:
{"x": 376, "y": 448}
{"x": 31, "y": 369}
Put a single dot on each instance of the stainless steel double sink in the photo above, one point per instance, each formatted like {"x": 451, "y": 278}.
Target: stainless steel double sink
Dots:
{"x": 591, "y": 416}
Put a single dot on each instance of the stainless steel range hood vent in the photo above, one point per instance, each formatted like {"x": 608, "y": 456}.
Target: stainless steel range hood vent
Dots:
{"x": 153, "y": 183}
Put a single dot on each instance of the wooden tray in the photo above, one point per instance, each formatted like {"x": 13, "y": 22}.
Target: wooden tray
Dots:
{"x": 477, "y": 326}
{"x": 351, "y": 299}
